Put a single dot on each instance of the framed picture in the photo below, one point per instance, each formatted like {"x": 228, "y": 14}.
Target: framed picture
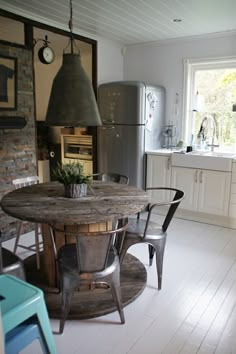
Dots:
{"x": 8, "y": 83}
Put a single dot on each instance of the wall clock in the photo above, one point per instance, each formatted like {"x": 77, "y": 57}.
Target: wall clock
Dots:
{"x": 46, "y": 54}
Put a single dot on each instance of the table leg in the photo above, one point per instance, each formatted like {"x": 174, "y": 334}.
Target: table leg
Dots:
{"x": 49, "y": 265}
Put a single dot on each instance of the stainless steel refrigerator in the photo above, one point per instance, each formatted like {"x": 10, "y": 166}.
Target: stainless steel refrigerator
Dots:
{"x": 132, "y": 114}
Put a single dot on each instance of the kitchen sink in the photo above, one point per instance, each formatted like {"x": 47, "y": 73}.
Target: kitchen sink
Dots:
{"x": 210, "y": 160}
{"x": 221, "y": 154}
{"x": 198, "y": 152}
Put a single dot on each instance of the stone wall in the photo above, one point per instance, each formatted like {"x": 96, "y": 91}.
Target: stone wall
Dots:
{"x": 17, "y": 146}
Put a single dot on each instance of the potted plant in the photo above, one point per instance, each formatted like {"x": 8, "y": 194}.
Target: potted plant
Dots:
{"x": 74, "y": 180}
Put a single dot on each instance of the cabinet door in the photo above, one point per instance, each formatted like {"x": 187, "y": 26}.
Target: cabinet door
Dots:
{"x": 158, "y": 175}
{"x": 186, "y": 179}
{"x": 88, "y": 166}
{"x": 214, "y": 190}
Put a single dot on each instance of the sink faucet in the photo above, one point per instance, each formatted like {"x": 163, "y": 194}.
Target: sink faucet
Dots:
{"x": 208, "y": 130}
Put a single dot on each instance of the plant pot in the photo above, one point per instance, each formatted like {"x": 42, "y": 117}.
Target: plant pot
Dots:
{"x": 75, "y": 190}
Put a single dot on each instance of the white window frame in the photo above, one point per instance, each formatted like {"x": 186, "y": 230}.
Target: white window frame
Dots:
{"x": 190, "y": 68}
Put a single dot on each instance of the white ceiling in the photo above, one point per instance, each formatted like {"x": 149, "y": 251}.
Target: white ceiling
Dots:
{"x": 132, "y": 21}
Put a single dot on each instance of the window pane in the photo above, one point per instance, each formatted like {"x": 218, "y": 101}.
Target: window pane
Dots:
{"x": 218, "y": 87}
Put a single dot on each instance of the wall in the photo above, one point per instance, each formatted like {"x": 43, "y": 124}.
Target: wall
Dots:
{"x": 110, "y": 62}
{"x": 17, "y": 146}
{"x": 162, "y": 64}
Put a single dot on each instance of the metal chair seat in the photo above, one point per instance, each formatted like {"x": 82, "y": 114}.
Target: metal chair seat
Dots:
{"x": 10, "y": 263}
{"x": 147, "y": 231}
{"x": 111, "y": 177}
{"x": 136, "y": 228}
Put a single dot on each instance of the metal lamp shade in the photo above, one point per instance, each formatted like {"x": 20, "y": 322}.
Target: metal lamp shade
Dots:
{"x": 234, "y": 107}
{"x": 72, "y": 101}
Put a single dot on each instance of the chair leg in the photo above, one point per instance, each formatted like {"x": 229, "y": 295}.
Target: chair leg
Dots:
{"x": 151, "y": 254}
{"x": 127, "y": 243}
{"x": 159, "y": 248}
{"x": 66, "y": 304}
{"x": 119, "y": 240}
{"x": 37, "y": 245}
{"x": 114, "y": 284}
{"x": 68, "y": 285}
{"x": 19, "y": 229}
{"x": 123, "y": 253}
{"x": 45, "y": 327}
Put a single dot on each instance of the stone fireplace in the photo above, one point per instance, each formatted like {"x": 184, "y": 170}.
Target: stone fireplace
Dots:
{"x": 18, "y": 146}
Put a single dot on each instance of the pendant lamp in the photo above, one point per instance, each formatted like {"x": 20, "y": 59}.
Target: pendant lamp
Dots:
{"x": 72, "y": 101}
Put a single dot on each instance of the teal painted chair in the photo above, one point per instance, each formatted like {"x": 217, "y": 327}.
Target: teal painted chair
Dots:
{"x": 23, "y": 335}
{"x": 22, "y": 301}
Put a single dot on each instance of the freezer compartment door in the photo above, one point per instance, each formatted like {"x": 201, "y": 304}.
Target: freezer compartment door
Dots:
{"x": 121, "y": 150}
{"x": 122, "y": 103}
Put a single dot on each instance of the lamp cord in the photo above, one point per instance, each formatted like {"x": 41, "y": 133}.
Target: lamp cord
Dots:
{"x": 72, "y": 42}
{"x": 71, "y": 27}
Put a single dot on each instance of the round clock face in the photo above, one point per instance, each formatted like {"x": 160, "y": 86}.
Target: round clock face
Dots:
{"x": 46, "y": 55}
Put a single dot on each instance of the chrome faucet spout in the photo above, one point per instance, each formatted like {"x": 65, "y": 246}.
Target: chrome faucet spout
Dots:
{"x": 208, "y": 131}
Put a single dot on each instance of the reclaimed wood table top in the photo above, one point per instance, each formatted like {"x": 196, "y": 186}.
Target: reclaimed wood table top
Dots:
{"x": 45, "y": 203}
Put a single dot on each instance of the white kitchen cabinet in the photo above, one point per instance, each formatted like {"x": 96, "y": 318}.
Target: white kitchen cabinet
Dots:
{"x": 185, "y": 179}
{"x": 232, "y": 204}
{"x": 214, "y": 192}
{"x": 158, "y": 175}
{"x": 206, "y": 191}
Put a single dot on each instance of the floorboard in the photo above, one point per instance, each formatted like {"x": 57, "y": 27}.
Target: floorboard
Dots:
{"x": 195, "y": 312}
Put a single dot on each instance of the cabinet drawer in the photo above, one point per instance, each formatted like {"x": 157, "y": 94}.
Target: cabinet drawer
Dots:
{"x": 233, "y": 198}
{"x": 234, "y": 177}
{"x": 234, "y": 167}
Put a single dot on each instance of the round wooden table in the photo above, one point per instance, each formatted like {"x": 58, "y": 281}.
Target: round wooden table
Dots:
{"x": 106, "y": 202}
{"x": 45, "y": 203}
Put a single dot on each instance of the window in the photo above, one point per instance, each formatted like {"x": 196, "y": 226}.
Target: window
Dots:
{"x": 212, "y": 83}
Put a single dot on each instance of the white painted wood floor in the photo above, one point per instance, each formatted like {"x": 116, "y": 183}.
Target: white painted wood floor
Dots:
{"x": 195, "y": 312}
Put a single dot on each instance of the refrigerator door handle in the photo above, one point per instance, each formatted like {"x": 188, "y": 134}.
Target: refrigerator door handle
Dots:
{"x": 108, "y": 121}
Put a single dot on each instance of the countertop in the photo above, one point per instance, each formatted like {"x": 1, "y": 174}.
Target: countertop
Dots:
{"x": 168, "y": 152}
{"x": 165, "y": 152}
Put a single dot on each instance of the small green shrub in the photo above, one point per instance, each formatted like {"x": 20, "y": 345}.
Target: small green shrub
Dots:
{"x": 71, "y": 173}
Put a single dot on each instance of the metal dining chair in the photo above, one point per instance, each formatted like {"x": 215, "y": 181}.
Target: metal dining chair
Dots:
{"x": 146, "y": 231}
{"x": 111, "y": 177}
{"x": 19, "y": 183}
{"x": 92, "y": 260}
